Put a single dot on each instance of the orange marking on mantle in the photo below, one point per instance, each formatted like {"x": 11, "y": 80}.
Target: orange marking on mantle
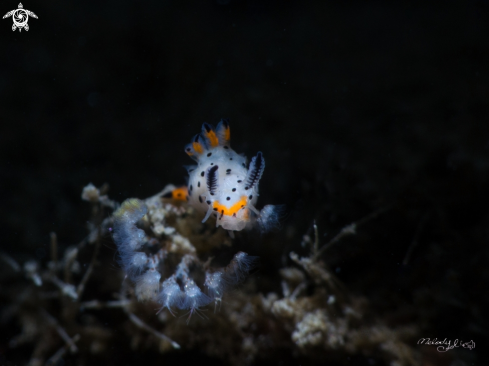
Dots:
{"x": 231, "y": 210}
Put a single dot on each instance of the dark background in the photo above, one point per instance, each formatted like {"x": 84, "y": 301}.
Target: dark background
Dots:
{"x": 355, "y": 105}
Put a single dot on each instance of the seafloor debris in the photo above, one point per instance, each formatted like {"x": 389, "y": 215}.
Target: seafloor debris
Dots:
{"x": 145, "y": 259}
{"x": 79, "y": 304}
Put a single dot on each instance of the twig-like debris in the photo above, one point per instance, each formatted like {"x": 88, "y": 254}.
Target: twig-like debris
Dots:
{"x": 98, "y": 195}
{"x": 31, "y": 271}
{"x": 89, "y": 271}
{"x": 301, "y": 286}
{"x": 95, "y": 304}
{"x": 53, "y": 360}
{"x": 285, "y": 289}
{"x": 349, "y": 230}
{"x": 314, "y": 268}
{"x": 10, "y": 261}
{"x": 316, "y": 237}
{"x": 54, "y": 249}
{"x": 147, "y": 328}
{"x": 66, "y": 288}
{"x": 60, "y": 330}
{"x": 70, "y": 256}
{"x": 138, "y": 322}
{"x": 415, "y": 241}
{"x": 321, "y": 276}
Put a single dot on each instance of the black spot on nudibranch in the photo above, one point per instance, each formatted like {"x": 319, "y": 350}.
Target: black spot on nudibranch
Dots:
{"x": 191, "y": 187}
{"x": 228, "y": 198}
{"x": 244, "y": 165}
{"x": 250, "y": 196}
{"x": 202, "y": 173}
{"x": 215, "y": 209}
{"x": 208, "y": 202}
{"x": 198, "y": 184}
{"x": 200, "y": 199}
{"x": 228, "y": 171}
{"x": 239, "y": 181}
{"x": 209, "y": 154}
{"x": 230, "y": 158}
{"x": 234, "y": 189}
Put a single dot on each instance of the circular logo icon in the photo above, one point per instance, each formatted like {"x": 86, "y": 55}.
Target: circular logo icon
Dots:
{"x": 20, "y": 18}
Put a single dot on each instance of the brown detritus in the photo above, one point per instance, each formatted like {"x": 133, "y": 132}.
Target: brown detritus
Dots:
{"x": 81, "y": 285}
{"x": 316, "y": 318}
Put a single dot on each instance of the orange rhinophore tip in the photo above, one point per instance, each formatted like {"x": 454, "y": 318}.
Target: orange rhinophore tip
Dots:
{"x": 210, "y": 135}
{"x": 178, "y": 194}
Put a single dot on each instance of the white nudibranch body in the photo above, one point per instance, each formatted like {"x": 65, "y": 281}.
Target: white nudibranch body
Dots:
{"x": 221, "y": 185}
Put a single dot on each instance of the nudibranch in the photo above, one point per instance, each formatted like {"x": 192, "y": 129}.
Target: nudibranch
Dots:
{"x": 222, "y": 186}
